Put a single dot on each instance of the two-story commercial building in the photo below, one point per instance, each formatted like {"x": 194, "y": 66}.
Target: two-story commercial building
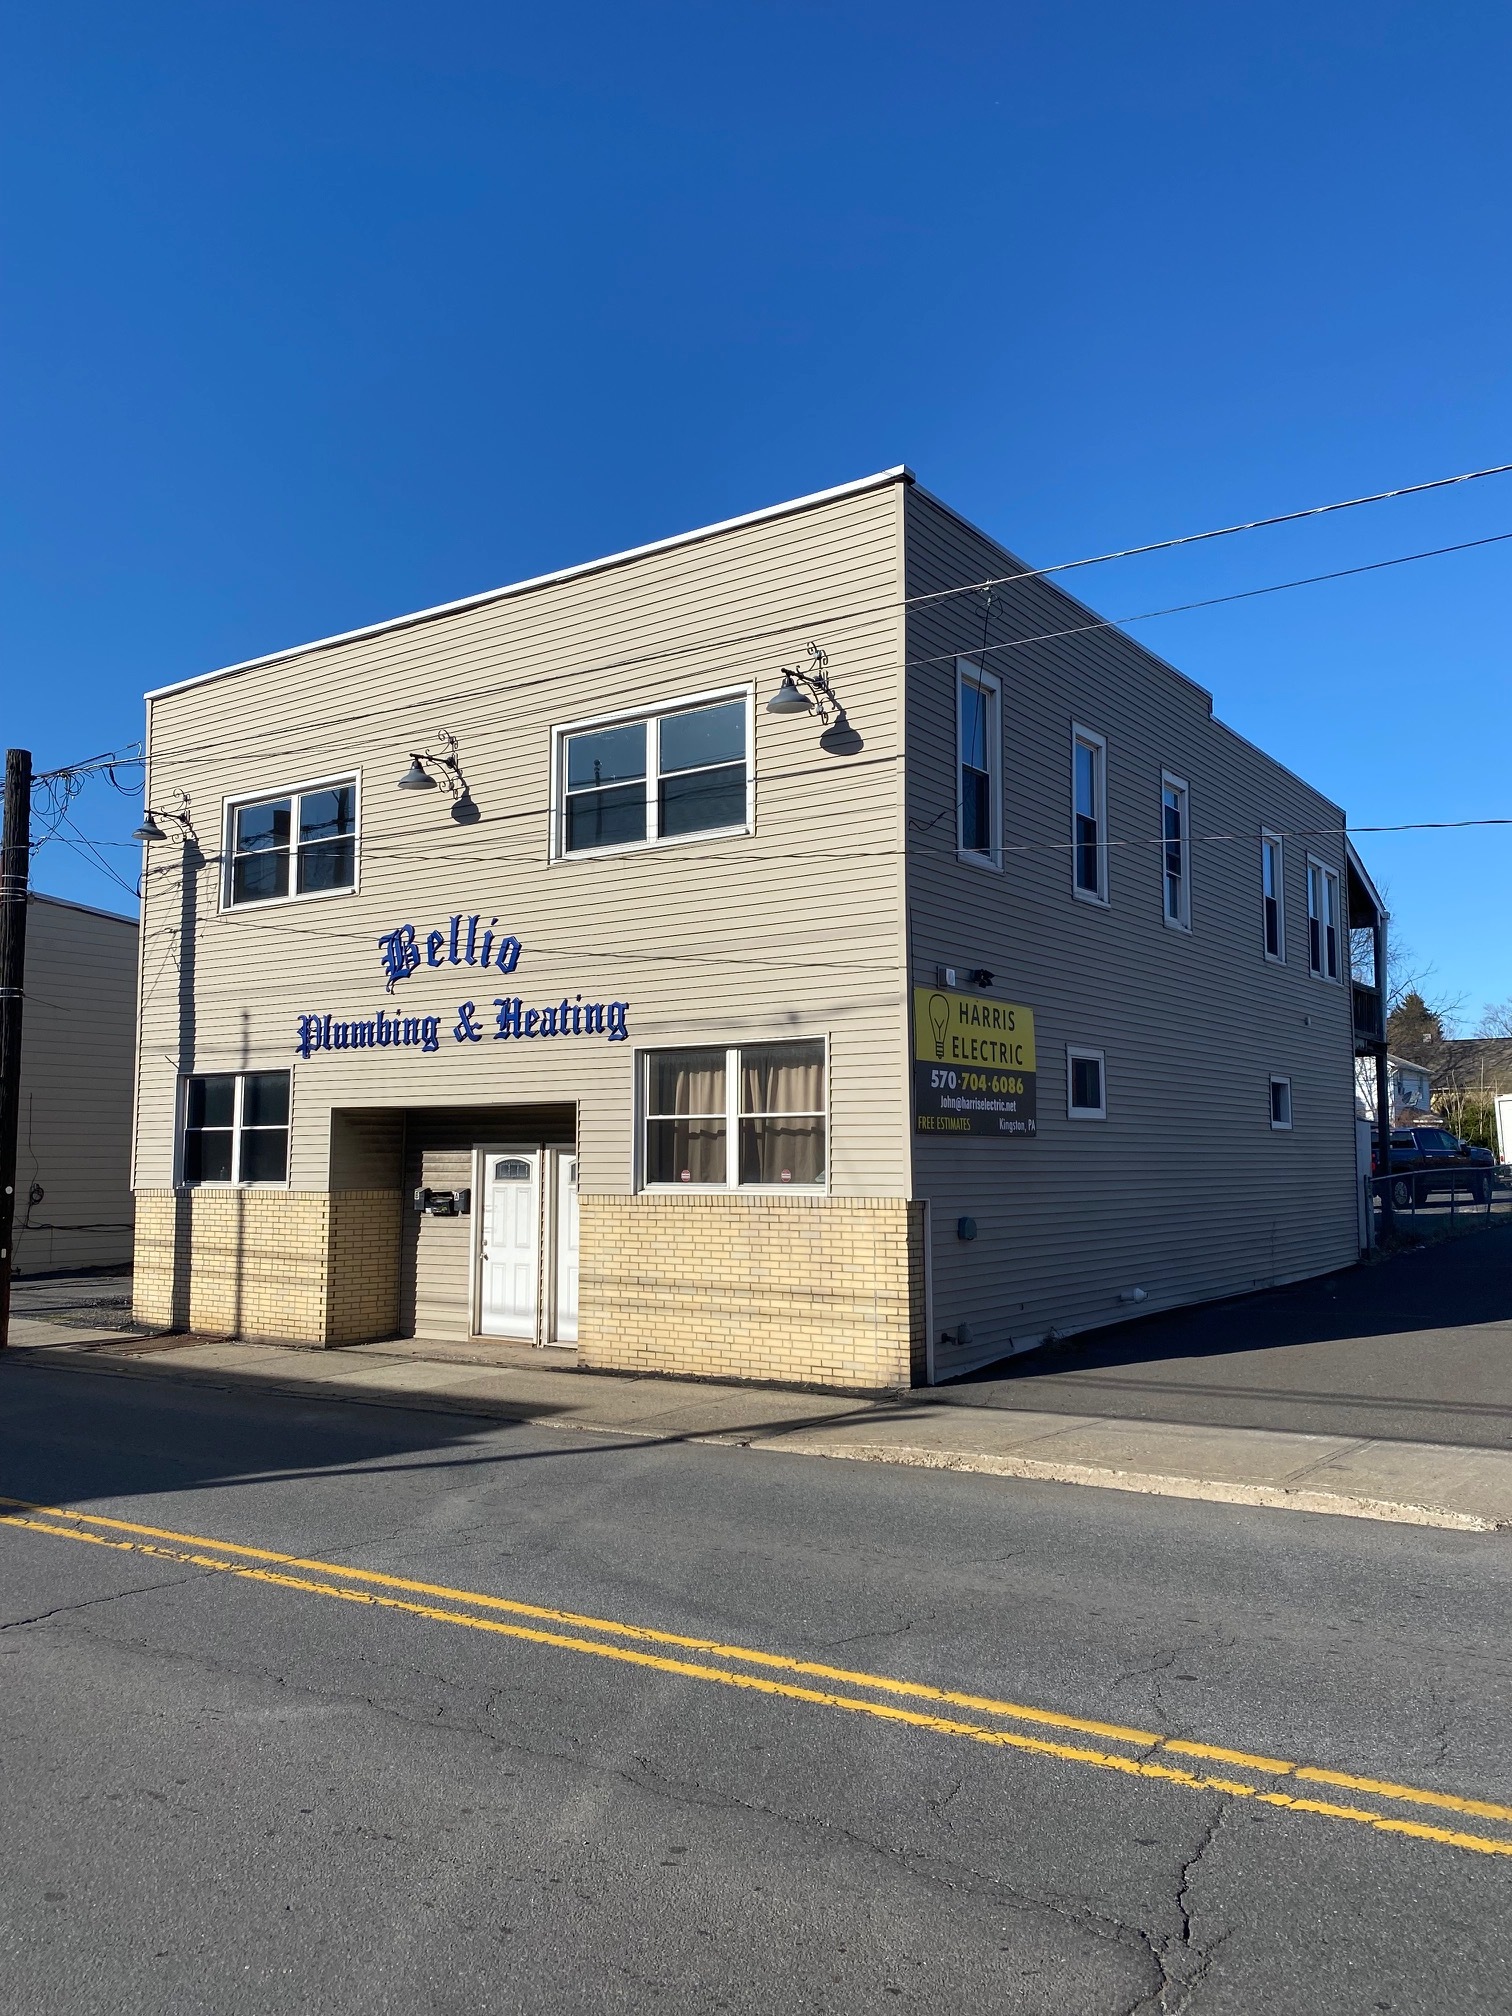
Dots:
{"x": 770, "y": 953}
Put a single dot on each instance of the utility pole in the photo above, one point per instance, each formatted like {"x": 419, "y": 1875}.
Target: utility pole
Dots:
{"x": 15, "y": 868}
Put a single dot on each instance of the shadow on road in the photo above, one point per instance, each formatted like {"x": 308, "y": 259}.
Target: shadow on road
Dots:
{"x": 1418, "y": 1348}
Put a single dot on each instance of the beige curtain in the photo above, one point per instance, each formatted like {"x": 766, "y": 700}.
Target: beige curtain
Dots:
{"x": 782, "y": 1078}
{"x": 687, "y": 1081}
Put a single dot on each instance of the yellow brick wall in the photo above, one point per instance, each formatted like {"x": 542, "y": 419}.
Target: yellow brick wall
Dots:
{"x": 303, "y": 1265}
{"x": 821, "y": 1291}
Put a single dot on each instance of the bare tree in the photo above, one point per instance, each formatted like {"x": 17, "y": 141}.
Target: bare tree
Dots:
{"x": 1496, "y": 1018}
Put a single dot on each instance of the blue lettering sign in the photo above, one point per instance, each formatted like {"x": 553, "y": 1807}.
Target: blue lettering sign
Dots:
{"x": 460, "y": 944}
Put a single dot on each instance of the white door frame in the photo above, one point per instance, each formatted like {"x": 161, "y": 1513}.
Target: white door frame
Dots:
{"x": 481, "y": 1153}
{"x": 548, "y": 1155}
{"x": 554, "y": 1154}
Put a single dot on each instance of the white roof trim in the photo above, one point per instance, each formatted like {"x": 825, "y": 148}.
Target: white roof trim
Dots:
{"x": 895, "y": 475}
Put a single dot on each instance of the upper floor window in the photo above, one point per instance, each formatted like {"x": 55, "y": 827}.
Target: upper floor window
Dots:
{"x": 1322, "y": 920}
{"x": 1089, "y": 815}
{"x": 666, "y": 776}
{"x": 752, "y": 1117}
{"x": 1175, "y": 852}
{"x": 236, "y": 1128}
{"x": 303, "y": 843}
{"x": 979, "y": 751}
{"x": 1272, "y": 895}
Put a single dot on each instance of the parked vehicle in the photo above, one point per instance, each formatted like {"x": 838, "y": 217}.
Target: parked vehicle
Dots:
{"x": 1430, "y": 1161}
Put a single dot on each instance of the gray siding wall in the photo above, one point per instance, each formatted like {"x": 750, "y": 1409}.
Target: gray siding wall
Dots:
{"x": 1184, "y": 1190}
{"x": 78, "y": 1032}
{"x": 794, "y": 929}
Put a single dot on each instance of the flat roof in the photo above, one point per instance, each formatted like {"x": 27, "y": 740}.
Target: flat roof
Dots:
{"x": 89, "y": 909}
{"x": 900, "y": 474}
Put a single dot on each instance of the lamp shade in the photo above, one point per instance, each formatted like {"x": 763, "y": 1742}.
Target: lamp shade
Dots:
{"x": 149, "y": 828}
{"x": 417, "y": 777}
{"x": 788, "y": 699}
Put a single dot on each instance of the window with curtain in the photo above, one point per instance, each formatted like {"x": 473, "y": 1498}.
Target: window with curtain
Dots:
{"x": 687, "y": 1122}
{"x": 782, "y": 1113}
{"x": 767, "y": 1097}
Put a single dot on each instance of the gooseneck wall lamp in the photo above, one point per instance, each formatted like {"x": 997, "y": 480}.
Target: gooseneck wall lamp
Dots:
{"x": 806, "y": 690}
{"x": 176, "y": 815}
{"x": 440, "y": 768}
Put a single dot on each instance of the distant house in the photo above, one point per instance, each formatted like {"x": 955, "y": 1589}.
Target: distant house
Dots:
{"x": 78, "y": 1032}
{"x": 1472, "y": 1067}
{"x": 1411, "y": 1089}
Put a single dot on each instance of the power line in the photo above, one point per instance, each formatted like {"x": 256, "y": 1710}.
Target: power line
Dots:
{"x": 797, "y": 625}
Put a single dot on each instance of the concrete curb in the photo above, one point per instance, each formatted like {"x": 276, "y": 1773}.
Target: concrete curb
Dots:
{"x": 1216, "y": 1491}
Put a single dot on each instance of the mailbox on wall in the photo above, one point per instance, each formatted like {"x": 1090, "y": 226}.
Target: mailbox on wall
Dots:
{"x": 443, "y": 1203}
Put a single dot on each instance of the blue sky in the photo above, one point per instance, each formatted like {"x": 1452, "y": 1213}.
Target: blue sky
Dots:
{"x": 318, "y": 313}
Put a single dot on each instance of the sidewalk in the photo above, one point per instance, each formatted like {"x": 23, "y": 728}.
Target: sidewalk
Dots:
{"x": 1417, "y": 1483}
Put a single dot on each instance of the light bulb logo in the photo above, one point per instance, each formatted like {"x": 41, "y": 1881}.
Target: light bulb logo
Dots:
{"x": 939, "y": 1021}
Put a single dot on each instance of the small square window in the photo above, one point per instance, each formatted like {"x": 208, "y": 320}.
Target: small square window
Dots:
{"x": 1280, "y": 1104}
{"x": 1086, "y": 1097}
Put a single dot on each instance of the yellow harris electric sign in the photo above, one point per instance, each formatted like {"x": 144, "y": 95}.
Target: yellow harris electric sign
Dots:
{"x": 974, "y": 1065}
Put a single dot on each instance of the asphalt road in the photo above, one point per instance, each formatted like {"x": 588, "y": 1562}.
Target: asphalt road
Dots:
{"x": 1418, "y": 1349}
{"x": 238, "y": 1782}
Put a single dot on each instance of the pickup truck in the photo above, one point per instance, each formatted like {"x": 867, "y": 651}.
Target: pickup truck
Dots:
{"x": 1429, "y": 1161}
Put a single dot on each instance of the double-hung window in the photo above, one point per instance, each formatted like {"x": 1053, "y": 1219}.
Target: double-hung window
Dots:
{"x": 1272, "y": 896}
{"x": 748, "y": 1118}
{"x": 236, "y": 1128}
{"x": 1322, "y": 920}
{"x": 979, "y": 756}
{"x": 301, "y": 843}
{"x": 1089, "y": 815}
{"x": 666, "y": 776}
{"x": 1175, "y": 852}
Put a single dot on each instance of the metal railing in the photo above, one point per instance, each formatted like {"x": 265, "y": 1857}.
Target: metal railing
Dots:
{"x": 1420, "y": 1197}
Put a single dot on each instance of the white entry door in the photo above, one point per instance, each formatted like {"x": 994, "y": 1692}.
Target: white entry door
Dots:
{"x": 566, "y": 1327}
{"x": 511, "y": 1229}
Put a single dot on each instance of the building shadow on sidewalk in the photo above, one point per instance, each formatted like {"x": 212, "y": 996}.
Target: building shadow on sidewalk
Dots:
{"x": 1418, "y": 1348}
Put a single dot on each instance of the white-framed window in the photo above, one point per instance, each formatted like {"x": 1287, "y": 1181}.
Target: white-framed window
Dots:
{"x": 979, "y": 765}
{"x": 1280, "y": 1104}
{"x": 649, "y": 779}
{"x": 283, "y": 846}
{"x": 1175, "y": 852}
{"x": 751, "y": 1116}
{"x": 235, "y": 1129}
{"x": 1272, "y": 896}
{"x": 1322, "y": 920}
{"x": 1086, "y": 1084}
{"x": 1089, "y": 815}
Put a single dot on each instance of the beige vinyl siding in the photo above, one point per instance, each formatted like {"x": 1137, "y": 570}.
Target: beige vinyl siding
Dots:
{"x": 1184, "y": 1190}
{"x": 795, "y": 929}
{"x": 78, "y": 1026}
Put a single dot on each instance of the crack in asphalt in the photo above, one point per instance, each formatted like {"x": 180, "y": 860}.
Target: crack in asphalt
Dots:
{"x": 94, "y": 1602}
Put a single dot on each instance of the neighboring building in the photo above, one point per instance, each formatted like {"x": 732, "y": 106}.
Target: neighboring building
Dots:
{"x": 715, "y": 1039}
{"x": 1411, "y": 1089}
{"x": 1472, "y": 1067}
{"x": 73, "y": 1152}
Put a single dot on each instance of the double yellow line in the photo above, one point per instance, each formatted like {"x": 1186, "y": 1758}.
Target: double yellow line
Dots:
{"x": 474, "y": 1610}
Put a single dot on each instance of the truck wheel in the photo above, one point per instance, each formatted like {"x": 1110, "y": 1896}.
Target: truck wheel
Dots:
{"x": 1401, "y": 1194}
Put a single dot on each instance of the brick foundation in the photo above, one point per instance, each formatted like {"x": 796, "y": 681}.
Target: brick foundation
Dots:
{"x": 820, "y": 1291}
{"x": 307, "y": 1265}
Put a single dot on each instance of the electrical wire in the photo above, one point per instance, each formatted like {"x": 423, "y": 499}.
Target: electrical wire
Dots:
{"x": 796, "y": 626}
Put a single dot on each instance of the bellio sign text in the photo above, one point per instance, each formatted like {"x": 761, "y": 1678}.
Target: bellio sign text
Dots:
{"x": 466, "y": 941}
